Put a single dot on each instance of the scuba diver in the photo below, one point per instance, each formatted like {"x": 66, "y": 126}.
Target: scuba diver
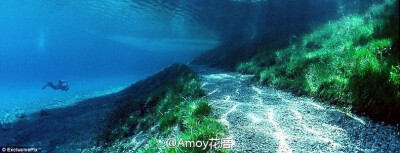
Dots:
{"x": 62, "y": 85}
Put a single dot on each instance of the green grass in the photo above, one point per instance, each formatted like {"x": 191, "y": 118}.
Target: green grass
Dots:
{"x": 349, "y": 62}
{"x": 176, "y": 102}
{"x": 194, "y": 123}
{"x": 158, "y": 92}
{"x": 202, "y": 109}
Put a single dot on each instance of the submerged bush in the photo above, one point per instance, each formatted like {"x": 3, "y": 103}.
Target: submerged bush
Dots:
{"x": 168, "y": 120}
{"x": 202, "y": 109}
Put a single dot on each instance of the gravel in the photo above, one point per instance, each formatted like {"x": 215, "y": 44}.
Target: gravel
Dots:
{"x": 263, "y": 119}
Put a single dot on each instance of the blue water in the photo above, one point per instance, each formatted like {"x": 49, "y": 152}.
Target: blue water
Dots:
{"x": 99, "y": 46}
{"x": 103, "y": 46}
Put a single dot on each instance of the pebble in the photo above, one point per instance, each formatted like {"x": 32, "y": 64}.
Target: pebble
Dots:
{"x": 350, "y": 134}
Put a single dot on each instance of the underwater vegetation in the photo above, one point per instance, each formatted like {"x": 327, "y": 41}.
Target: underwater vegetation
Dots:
{"x": 170, "y": 101}
{"x": 352, "y": 62}
{"x": 345, "y": 53}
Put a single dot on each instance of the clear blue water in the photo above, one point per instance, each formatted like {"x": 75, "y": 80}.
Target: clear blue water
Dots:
{"x": 99, "y": 46}
{"x": 103, "y": 46}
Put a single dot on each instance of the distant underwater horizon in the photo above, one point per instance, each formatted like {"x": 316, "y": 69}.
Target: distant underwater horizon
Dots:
{"x": 92, "y": 44}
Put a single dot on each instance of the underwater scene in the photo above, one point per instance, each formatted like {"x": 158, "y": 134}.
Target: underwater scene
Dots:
{"x": 193, "y": 76}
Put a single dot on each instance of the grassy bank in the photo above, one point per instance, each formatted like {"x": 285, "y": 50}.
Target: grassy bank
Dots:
{"x": 353, "y": 62}
{"x": 169, "y": 104}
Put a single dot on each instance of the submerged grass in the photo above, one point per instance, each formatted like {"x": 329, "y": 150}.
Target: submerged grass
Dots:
{"x": 174, "y": 105}
{"x": 192, "y": 123}
{"x": 188, "y": 117}
{"x": 350, "y": 62}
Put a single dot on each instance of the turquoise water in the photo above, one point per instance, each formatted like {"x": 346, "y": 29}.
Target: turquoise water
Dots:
{"x": 95, "y": 44}
{"x": 99, "y": 46}
{"x": 104, "y": 46}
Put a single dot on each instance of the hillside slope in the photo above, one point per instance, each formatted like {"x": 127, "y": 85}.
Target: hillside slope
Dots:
{"x": 169, "y": 104}
{"x": 352, "y": 62}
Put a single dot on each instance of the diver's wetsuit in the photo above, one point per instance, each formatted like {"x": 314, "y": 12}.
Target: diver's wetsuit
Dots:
{"x": 62, "y": 85}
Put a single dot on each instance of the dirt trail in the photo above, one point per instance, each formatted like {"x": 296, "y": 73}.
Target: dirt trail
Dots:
{"x": 263, "y": 119}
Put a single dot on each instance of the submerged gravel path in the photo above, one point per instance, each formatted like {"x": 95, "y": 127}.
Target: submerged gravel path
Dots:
{"x": 263, "y": 119}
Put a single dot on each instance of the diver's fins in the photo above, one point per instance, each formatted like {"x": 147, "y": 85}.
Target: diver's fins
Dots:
{"x": 47, "y": 84}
